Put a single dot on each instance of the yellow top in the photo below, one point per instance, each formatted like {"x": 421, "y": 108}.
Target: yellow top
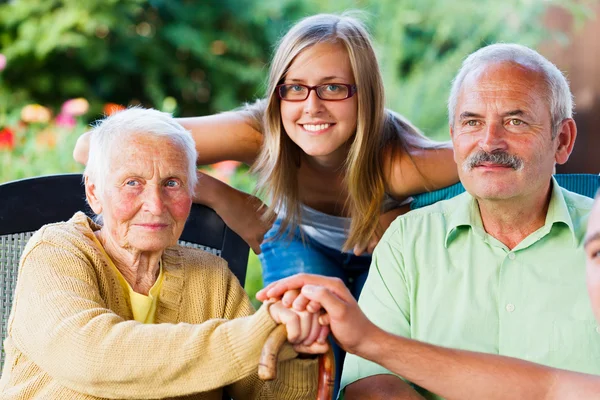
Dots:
{"x": 71, "y": 332}
{"x": 143, "y": 307}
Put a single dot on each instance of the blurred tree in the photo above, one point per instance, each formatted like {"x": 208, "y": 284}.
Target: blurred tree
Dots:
{"x": 202, "y": 57}
{"x": 196, "y": 57}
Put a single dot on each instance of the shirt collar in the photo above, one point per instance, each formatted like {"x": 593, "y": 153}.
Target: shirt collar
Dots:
{"x": 466, "y": 214}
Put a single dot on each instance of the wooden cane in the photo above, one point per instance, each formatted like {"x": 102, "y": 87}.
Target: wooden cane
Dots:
{"x": 267, "y": 366}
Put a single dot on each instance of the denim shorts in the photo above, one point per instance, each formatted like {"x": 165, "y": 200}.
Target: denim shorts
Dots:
{"x": 290, "y": 254}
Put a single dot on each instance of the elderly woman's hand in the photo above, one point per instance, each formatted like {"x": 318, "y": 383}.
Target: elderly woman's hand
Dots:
{"x": 303, "y": 329}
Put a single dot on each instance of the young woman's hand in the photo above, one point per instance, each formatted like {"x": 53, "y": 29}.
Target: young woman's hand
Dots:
{"x": 385, "y": 219}
{"x": 242, "y": 212}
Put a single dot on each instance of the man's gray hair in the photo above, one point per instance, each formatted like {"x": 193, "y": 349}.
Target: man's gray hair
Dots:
{"x": 558, "y": 94}
{"x": 111, "y": 131}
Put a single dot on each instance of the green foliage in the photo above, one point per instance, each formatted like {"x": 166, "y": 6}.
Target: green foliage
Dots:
{"x": 200, "y": 57}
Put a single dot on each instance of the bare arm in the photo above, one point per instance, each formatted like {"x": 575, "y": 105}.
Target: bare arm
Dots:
{"x": 420, "y": 170}
{"x": 226, "y": 136}
{"x": 453, "y": 374}
{"x": 380, "y": 387}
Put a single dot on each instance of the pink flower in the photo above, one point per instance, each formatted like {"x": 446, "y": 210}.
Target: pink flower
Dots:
{"x": 2, "y": 61}
{"x": 35, "y": 113}
{"x": 7, "y": 139}
{"x": 75, "y": 107}
{"x": 65, "y": 120}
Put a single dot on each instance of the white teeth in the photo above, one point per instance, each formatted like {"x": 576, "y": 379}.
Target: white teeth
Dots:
{"x": 315, "y": 128}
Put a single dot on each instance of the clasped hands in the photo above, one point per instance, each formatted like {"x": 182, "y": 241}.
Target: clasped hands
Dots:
{"x": 311, "y": 306}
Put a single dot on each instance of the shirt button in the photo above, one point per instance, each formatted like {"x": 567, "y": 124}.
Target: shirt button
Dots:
{"x": 598, "y": 329}
{"x": 511, "y": 256}
{"x": 510, "y": 307}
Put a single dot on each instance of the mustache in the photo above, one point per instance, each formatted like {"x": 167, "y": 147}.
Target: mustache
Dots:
{"x": 498, "y": 157}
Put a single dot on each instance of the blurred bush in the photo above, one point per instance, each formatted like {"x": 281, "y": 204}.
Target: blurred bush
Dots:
{"x": 200, "y": 57}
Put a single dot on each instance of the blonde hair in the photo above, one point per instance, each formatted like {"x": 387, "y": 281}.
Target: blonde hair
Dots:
{"x": 279, "y": 159}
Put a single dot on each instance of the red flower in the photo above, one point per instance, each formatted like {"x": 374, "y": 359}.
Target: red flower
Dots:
{"x": 7, "y": 139}
{"x": 111, "y": 108}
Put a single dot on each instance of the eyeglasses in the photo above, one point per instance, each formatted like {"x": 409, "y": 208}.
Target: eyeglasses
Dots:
{"x": 326, "y": 91}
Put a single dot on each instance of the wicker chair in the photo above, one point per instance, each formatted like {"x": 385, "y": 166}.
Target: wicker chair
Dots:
{"x": 27, "y": 204}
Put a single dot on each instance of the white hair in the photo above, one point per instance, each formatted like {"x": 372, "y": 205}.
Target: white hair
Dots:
{"x": 558, "y": 94}
{"x": 109, "y": 132}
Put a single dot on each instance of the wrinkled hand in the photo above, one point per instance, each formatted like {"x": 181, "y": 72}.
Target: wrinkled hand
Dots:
{"x": 304, "y": 331}
{"x": 243, "y": 213}
{"x": 350, "y": 326}
{"x": 385, "y": 220}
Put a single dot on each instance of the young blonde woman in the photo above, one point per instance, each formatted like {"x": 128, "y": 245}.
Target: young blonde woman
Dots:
{"x": 336, "y": 165}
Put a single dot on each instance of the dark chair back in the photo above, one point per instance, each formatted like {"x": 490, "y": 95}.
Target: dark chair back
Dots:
{"x": 26, "y": 205}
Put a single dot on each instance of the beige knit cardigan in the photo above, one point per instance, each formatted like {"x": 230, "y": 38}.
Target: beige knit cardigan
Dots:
{"x": 71, "y": 333}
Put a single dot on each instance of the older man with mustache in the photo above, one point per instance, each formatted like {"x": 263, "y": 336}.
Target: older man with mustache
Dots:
{"x": 499, "y": 269}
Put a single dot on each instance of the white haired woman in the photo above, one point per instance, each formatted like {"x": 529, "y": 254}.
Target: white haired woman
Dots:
{"x": 118, "y": 310}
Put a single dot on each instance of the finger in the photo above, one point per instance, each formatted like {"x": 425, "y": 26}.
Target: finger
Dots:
{"x": 291, "y": 320}
{"x": 288, "y": 297}
{"x": 315, "y": 348}
{"x": 300, "y": 303}
{"x": 255, "y": 246}
{"x": 312, "y": 306}
{"x": 315, "y": 329}
{"x": 359, "y": 249}
{"x": 277, "y": 289}
{"x": 306, "y": 321}
{"x": 330, "y": 299}
{"x": 262, "y": 293}
{"x": 323, "y": 333}
{"x": 324, "y": 320}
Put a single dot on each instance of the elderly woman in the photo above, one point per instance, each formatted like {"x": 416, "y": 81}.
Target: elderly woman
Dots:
{"x": 118, "y": 310}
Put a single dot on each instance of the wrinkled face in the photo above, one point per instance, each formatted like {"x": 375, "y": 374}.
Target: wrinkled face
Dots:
{"x": 146, "y": 199}
{"x": 592, "y": 256}
{"x": 319, "y": 127}
{"x": 502, "y": 133}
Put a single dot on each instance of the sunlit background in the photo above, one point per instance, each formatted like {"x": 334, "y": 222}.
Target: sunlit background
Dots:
{"x": 66, "y": 63}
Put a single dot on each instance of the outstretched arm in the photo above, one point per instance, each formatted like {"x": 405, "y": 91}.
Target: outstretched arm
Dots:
{"x": 453, "y": 374}
{"x": 232, "y": 135}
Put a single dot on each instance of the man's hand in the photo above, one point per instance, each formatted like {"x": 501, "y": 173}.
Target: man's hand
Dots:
{"x": 385, "y": 220}
{"x": 351, "y": 328}
{"x": 303, "y": 329}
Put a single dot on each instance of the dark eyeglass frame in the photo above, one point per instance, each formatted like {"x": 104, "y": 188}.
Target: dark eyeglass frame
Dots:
{"x": 351, "y": 90}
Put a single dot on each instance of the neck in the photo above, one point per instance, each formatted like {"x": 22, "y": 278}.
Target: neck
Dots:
{"x": 139, "y": 268}
{"x": 511, "y": 221}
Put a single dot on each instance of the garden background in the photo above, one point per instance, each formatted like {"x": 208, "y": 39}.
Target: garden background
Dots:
{"x": 66, "y": 63}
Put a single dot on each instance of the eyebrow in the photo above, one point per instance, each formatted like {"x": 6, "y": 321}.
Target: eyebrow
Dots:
{"x": 324, "y": 79}
{"x": 511, "y": 113}
{"x": 591, "y": 238}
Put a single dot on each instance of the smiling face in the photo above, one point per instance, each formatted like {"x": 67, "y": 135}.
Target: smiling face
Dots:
{"x": 502, "y": 133}
{"x": 592, "y": 257}
{"x": 320, "y": 127}
{"x": 146, "y": 198}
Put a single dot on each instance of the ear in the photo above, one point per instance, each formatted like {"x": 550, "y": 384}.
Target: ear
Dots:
{"x": 92, "y": 195}
{"x": 565, "y": 140}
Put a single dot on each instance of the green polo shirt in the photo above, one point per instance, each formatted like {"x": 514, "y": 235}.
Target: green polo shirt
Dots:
{"x": 438, "y": 277}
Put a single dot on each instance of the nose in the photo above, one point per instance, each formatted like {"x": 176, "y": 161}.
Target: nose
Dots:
{"x": 493, "y": 138}
{"x": 313, "y": 104}
{"x": 153, "y": 200}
